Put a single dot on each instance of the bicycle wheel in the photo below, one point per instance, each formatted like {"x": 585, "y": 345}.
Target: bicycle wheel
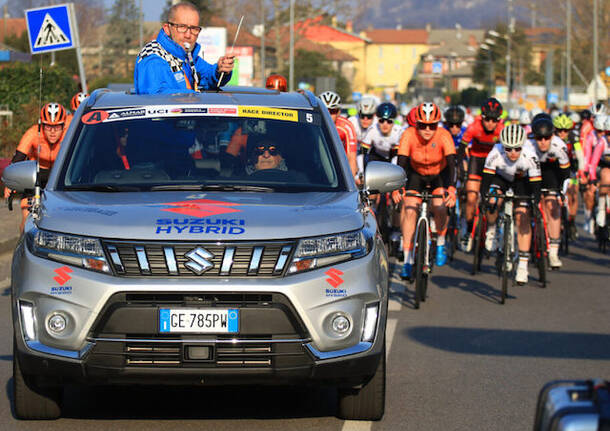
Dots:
{"x": 565, "y": 232}
{"x": 477, "y": 246}
{"x": 452, "y": 233}
{"x": 540, "y": 249}
{"x": 420, "y": 260}
{"x": 506, "y": 258}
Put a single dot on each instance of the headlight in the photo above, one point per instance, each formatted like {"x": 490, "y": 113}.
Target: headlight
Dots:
{"x": 74, "y": 250}
{"x": 317, "y": 252}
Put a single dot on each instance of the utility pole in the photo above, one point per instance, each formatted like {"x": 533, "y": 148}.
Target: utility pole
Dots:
{"x": 291, "y": 74}
{"x": 595, "y": 42}
{"x": 511, "y": 29}
{"x": 568, "y": 51}
{"x": 141, "y": 21}
{"x": 263, "y": 43}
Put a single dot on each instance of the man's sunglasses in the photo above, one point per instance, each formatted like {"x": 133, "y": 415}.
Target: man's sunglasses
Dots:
{"x": 366, "y": 116}
{"x": 510, "y": 150}
{"x": 182, "y": 28}
{"x": 334, "y": 110}
{"x": 386, "y": 120}
{"x": 490, "y": 119}
{"x": 450, "y": 125}
{"x": 262, "y": 148}
{"x": 543, "y": 138}
{"x": 424, "y": 126}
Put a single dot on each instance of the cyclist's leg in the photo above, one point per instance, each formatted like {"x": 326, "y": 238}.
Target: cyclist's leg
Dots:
{"x": 473, "y": 185}
{"x": 523, "y": 228}
{"x": 589, "y": 200}
{"x": 498, "y": 185}
{"x": 25, "y": 211}
{"x": 410, "y": 207}
{"x": 604, "y": 190}
{"x": 572, "y": 194}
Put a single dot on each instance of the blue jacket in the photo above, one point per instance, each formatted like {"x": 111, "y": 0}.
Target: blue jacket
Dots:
{"x": 154, "y": 75}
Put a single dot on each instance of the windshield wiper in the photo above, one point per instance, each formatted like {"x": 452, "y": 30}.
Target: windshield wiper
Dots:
{"x": 213, "y": 187}
{"x": 102, "y": 188}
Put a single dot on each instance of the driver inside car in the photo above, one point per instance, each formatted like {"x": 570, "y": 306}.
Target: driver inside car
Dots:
{"x": 265, "y": 155}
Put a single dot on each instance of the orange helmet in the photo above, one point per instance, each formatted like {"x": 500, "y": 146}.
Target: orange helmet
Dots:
{"x": 53, "y": 113}
{"x": 77, "y": 99}
{"x": 277, "y": 82}
{"x": 428, "y": 113}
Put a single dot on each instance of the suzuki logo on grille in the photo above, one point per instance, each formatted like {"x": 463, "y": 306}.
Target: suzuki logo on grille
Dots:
{"x": 198, "y": 260}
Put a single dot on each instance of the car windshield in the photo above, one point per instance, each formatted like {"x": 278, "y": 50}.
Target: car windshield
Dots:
{"x": 188, "y": 149}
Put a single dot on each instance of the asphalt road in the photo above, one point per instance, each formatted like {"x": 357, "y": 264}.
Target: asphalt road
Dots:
{"x": 461, "y": 362}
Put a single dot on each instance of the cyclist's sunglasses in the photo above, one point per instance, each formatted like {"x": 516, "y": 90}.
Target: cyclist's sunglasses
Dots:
{"x": 334, "y": 110}
{"x": 491, "y": 119}
{"x": 271, "y": 148}
{"x": 386, "y": 120}
{"x": 367, "y": 116}
{"x": 543, "y": 138}
{"x": 454, "y": 125}
{"x": 424, "y": 126}
{"x": 510, "y": 150}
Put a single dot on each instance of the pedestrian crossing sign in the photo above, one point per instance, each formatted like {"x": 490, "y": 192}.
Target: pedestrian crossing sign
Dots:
{"x": 50, "y": 28}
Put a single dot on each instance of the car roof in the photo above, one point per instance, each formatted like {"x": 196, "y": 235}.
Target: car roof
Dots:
{"x": 250, "y": 96}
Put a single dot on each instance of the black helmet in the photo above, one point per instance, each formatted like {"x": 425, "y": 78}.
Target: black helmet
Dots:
{"x": 454, "y": 115}
{"x": 491, "y": 108}
{"x": 585, "y": 114}
{"x": 542, "y": 127}
{"x": 540, "y": 116}
{"x": 386, "y": 110}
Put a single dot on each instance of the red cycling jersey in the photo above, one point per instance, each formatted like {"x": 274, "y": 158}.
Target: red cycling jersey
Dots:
{"x": 482, "y": 142}
{"x": 347, "y": 133}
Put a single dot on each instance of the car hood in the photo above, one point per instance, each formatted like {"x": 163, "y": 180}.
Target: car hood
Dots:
{"x": 200, "y": 216}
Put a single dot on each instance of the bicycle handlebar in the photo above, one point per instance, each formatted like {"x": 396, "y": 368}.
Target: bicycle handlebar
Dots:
{"x": 424, "y": 195}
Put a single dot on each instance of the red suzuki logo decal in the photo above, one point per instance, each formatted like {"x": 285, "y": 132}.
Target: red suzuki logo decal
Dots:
{"x": 334, "y": 278}
{"x": 62, "y": 275}
{"x": 201, "y": 208}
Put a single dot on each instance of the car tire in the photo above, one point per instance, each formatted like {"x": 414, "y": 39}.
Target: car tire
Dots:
{"x": 30, "y": 400}
{"x": 366, "y": 403}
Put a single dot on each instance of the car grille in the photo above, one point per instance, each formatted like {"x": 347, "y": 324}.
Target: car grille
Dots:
{"x": 154, "y": 259}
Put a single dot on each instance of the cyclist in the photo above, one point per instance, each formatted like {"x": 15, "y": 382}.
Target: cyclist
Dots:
{"x": 552, "y": 154}
{"x": 381, "y": 142}
{"x": 596, "y": 138}
{"x": 600, "y": 160}
{"x": 564, "y": 129}
{"x": 525, "y": 120}
{"x": 511, "y": 165}
{"x": 41, "y": 146}
{"x": 454, "y": 123}
{"x": 276, "y": 82}
{"x": 513, "y": 117}
{"x": 427, "y": 154}
{"x": 363, "y": 123}
{"x": 586, "y": 124}
{"x": 482, "y": 135}
{"x": 77, "y": 99}
{"x": 346, "y": 130}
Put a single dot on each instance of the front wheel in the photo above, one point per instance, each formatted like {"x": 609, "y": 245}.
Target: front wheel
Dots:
{"x": 540, "y": 250}
{"x": 506, "y": 258}
{"x": 421, "y": 277}
{"x": 366, "y": 403}
{"x": 477, "y": 248}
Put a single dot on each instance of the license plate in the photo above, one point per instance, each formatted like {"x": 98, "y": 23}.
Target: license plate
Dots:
{"x": 198, "y": 320}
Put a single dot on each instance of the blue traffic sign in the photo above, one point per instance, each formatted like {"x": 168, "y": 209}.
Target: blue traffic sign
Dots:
{"x": 49, "y": 28}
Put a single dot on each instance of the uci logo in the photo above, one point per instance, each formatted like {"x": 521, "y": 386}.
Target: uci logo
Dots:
{"x": 179, "y": 76}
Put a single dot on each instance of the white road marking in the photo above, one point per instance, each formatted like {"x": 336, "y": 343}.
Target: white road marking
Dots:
{"x": 367, "y": 425}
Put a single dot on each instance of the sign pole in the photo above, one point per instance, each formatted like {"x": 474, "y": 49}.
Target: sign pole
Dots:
{"x": 79, "y": 57}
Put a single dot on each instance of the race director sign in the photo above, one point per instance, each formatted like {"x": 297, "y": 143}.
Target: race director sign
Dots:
{"x": 50, "y": 28}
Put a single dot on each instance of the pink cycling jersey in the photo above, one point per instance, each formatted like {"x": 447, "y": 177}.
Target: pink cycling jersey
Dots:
{"x": 596, "y": 146}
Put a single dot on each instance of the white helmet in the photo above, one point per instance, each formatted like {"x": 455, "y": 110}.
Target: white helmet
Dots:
{"x": 600, "y": 122}
{"x": 513, "y": 114}
{"x": 555, "y": 113}
{"x": 365, "y": 106}
{"x": 331, "y": 99}
{"x": 525, "y": 118}
{"x": 404, "y": 110}
{"x": 512, "y": 136}
{"x": 598, "y": 109}
{"x": 575, "y": 117}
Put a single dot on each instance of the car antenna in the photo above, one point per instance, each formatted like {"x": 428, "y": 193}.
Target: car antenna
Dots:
{"x": 222, "y": 74}
{"x": 36, "y": 203}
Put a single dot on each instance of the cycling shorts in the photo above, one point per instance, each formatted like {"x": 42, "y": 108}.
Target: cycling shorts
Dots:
{"x": 521, "y": 186}
{"x": 551, "y": 177}
{"x": 475, "y": 167}
{"x": 417, "y": 183}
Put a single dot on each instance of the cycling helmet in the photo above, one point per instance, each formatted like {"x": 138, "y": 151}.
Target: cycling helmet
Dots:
{"x": 585, "y": 114}
{"x": 554, "y": 113}
{"x": 428, "y": 113}
{"x": 599, "y": 108}
{"x": 525, "y": 118}
{"x": 331, "y": 99}
{"x": 513, "y": 114}
{"x": 536, "y": 111}
{"x": 608, "y": 123}
{"x": 366, "y": 106}
{"x": 404, "y": 110}
{"x": 386, "y": 111}
{"x": 541, "y": 115}
{"x": 575, "y": 117}
{"x": 412, "y": 117}
{"x": 77, "y": 100}
{"x": 600, "y": 122}
{"x": 491, "y": 108}
{"x": 53, "y": 114}
{"x": 512, "y": 136}
{"x": 276, "y": 82}
{"x": 542, "y": 127}
{"x": 454, "y": 115}
{"x": 562, "y": 121}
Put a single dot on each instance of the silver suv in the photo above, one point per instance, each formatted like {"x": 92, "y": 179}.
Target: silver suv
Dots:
{"x": 201, "y": 239}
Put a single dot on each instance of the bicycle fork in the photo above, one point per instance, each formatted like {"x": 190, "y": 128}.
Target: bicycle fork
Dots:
{"x": 424, "y": 220}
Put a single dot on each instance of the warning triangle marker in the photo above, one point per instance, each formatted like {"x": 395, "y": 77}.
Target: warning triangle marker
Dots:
{"x": 50, "y": 34}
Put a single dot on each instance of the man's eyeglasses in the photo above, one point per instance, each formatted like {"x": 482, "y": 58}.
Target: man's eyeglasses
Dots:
{"x": 490, "y": 119}
{"x": 182, "y": 28}
{"x": 366, "y": 116}
{"x": 53, "y": 128}
{"x": 260, "y": 150}
{"x": 510, "y": 150}
{"x": 386, "y": 120}
{"x": 424, "y": 126}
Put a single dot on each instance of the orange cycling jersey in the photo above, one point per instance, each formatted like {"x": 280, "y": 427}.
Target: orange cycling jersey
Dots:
{"x": 347, "y": 133}
{"x": 29, "y": 146}
{"x": 426, "y": 158}
{"x": 482, "y": 142}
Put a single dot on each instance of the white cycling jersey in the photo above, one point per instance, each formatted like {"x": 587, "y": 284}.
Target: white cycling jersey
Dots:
{"x": 558, "y": 151}
{"x": 382, "y": 144}
{"x": 360, "y": 131}
{"x": 498, "y": 163}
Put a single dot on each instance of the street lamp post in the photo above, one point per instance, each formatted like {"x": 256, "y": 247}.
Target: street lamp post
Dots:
{"x": 484, "y": 47}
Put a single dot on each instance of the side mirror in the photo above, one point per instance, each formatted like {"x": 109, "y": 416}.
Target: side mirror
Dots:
{"x": 20, "y": 176}
{"x": 383, "y": 177}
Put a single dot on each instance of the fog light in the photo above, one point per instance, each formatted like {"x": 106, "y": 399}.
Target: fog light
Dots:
{"x": 27, "y": 320}
{"x": 370, "y": 322}
{"x": 340, "y": 324}
{"x": 57, "y": 324}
